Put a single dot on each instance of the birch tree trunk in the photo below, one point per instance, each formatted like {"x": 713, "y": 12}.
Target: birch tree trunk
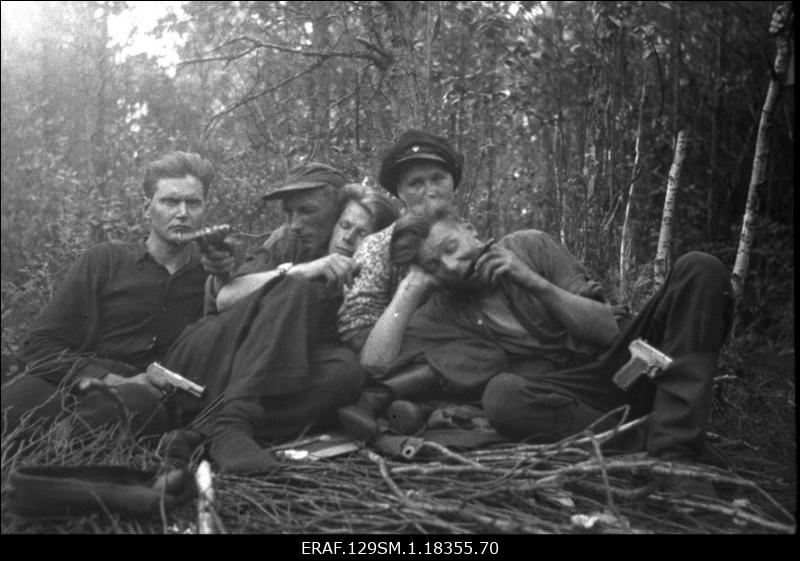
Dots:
{"x": 780, "y": 29}
{"x": 559, "y": 189}
{"x": 678, "y": 62}
{"x": 662, "y": 253}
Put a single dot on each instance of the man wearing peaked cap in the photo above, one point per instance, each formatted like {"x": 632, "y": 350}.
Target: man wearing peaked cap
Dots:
{"x": 423, "y": 171}
{"x": 417, "y": 146}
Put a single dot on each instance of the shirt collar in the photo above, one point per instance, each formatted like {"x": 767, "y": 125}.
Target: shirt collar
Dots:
{"x": 144, "y": 254}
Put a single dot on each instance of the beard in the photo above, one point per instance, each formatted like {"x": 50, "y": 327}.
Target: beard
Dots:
{"x": 467, "y": 285}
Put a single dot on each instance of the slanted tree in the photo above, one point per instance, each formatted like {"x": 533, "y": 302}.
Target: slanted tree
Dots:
{"x": 661, "y": 263}
{"x": 780, "y": 28}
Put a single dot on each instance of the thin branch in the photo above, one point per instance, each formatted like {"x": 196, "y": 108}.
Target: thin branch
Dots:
{"x": 269, "y": 90}
{"x": 380, "y": 60}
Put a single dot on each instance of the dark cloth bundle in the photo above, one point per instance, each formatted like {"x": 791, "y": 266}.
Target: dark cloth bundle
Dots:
{"x": 61, "y": 491}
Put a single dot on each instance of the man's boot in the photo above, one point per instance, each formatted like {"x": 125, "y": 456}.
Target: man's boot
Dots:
{"x": 680, "y": 413}
{"x": 360, "y": 419}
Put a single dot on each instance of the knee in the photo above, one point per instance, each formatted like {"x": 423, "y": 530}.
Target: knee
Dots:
{"x": 502, "y": 404}
{"x": 499, "y": 394}
{"x": 703, "y": 268}
{"x": 343, "y": 376}
{"x": 519, "y": 408}
{"x": 131, "y": 404}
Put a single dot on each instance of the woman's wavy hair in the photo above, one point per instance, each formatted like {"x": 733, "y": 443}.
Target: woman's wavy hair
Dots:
{"x": 381, "y": 207}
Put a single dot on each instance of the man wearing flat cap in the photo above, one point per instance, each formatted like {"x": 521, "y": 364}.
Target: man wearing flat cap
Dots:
{"x": 312, "y": 198}
{"x": 271, "y": 359}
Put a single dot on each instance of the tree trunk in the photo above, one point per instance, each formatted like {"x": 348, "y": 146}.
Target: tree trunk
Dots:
{"x": 320, "y": 86}
{"x": 716, "y": 120}
{"x": 98, "y": 138}
{"x": 627, "y": 224}
{"x": 662, "y": 253}
{"x": 401, "y": 80}
{"x": 591, "y": 171}
{"x": 559, "y": 188}
{"x": 426, "y": 100}
{"x": 780, "y": 28}
{"x": 676, "y": 79}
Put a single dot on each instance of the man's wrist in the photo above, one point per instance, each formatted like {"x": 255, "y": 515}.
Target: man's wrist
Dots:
{"x": 537, "y": 284}
{"x": 284, "y": 268}
{"x": 299, "y": 270}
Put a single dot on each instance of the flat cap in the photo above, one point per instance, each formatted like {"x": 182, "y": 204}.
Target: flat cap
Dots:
{"x": 308, "y": 176}
{"x": 418, "y": 145}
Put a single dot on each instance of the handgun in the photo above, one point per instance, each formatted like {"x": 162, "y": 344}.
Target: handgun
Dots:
{"x": 210, "y": 235}
{"x": 645, "y": 360}
{"x": 176, "y": 379}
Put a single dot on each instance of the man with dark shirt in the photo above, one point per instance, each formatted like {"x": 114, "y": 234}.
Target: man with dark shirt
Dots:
{"x": 120, "y": 307}
{"x": 520, "y": 325}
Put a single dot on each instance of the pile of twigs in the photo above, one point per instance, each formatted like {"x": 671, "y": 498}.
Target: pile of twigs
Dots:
{"x": 567, "y": 487}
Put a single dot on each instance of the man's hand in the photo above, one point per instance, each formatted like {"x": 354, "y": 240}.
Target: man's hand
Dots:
{"x": 499, "y": 261}
{"x": 219, "y": 259}
{"x": 384, "y": 341}
{"x": 336, "y": 269}
{"x": 418, "y": 283}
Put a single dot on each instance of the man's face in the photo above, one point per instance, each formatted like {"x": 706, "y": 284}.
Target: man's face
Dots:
{"x": 425, "y": 186}
{"x": 311, "y": 216}
{"x": 449, "y": 252}
{"x": 177, "y": 208}
{"x": 354, "y": 224}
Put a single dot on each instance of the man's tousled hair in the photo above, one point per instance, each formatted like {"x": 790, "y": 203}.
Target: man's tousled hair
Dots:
{"x": 411, "y": 231}
{"x": 174, "y": 166}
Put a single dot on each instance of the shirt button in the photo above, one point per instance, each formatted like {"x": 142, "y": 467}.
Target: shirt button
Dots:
{"x": 480, "y": 322}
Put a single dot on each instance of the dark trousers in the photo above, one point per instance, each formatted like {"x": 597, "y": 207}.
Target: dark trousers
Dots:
{"x": 276, "y": 349}
{"x": 33, "y": 402}
{"x": 47, "y": 393}
{"x": 687, "y": 319}
{"x": 276, "y": 366}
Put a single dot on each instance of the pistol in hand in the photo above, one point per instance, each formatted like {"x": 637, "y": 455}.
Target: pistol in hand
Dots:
{"x": 209, "y": 236}
{"x": 176, "y": 380}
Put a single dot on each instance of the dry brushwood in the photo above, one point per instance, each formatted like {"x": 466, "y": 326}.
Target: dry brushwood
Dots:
{"x": 565, "y": 487}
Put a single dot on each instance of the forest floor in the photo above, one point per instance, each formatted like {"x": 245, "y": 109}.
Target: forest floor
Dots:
{"x": 569, "y": 487}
